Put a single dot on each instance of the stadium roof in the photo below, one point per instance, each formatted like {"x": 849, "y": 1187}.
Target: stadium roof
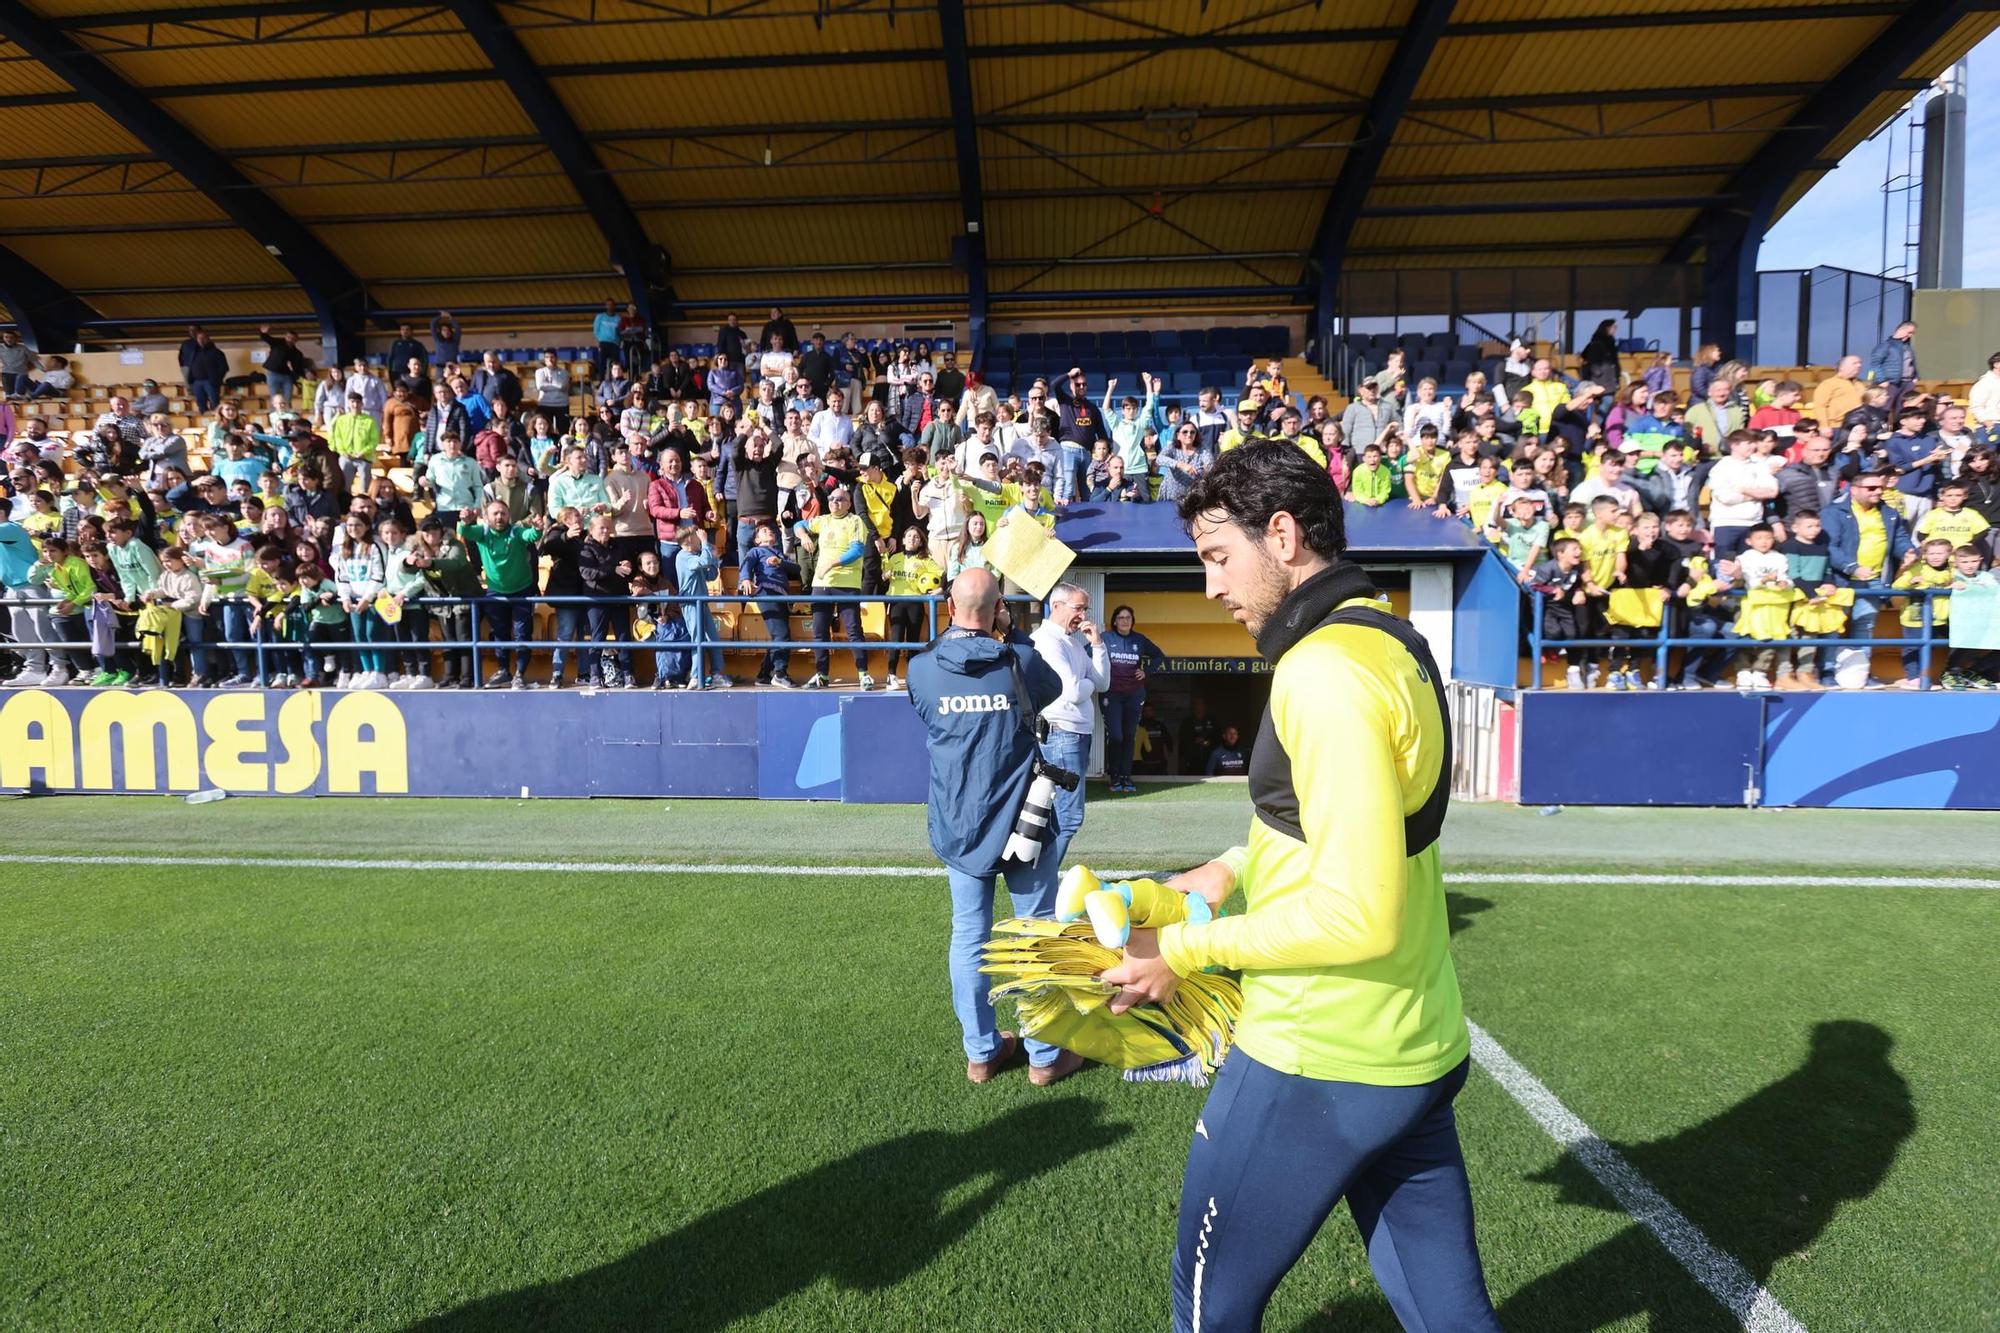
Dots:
{"x": 346, "y": 158}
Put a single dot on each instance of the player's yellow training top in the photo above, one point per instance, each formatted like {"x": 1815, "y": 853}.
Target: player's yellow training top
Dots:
{"x": 1344, "y": 947}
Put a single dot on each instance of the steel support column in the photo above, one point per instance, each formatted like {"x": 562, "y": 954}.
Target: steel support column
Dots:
{"x": 1361, "y": 163}
{"x": 970, "y": 246}
{"x": 45, "y": 313}
{"x": 632, "y": 252}
{"x": 338, "y": 301}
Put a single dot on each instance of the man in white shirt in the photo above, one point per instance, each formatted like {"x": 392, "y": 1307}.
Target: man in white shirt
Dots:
{"x": 942, "y": 502}
{"x": 1738, "y": 486}
{"x": 373, "y": 396}
{"x": 1069, "y": 641}
{"x": 1610, "y": 480}
{"x": 831, "y": 426}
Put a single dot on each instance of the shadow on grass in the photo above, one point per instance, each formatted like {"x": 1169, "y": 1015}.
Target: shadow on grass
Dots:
{"x": 867, "y": 1221}
{"x": 1460, "y": 908}
{"x": 1762, "y": 1180}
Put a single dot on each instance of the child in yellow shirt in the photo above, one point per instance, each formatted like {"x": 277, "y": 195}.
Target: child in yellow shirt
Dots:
{"x": 1933, "y": 569}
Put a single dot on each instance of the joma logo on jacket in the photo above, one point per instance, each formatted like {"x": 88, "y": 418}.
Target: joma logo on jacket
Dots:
{"x": 974, "y": 703}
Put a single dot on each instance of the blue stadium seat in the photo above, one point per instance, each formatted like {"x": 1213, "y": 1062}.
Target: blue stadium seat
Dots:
{"x": 1056, "y": 341}
{"x": 1082, "y": 342}
{"x": 1028, "y": 343}
{"x": 1166, "y": 340}
{"x": 1194, "y": 340}
{"x": 1000, "y": 342}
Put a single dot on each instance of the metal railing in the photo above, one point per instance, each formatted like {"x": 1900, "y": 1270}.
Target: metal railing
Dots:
{"x": 1662, "y": 644}
{"x": 699, "y": 644}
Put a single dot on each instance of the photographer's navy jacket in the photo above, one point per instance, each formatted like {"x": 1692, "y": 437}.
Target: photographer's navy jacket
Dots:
{"x": 981, "y": 748}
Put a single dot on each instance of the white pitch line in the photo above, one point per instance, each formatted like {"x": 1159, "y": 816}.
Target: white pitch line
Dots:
{"x": 587, "y": 867}
{"x": 933, "y": 872}
{"x": 1718, "y": 1273}
{"x": 1729, "y": 881}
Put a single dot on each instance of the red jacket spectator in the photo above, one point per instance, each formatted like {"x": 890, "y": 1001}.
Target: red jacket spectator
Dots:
{"x": 675, "y": 500}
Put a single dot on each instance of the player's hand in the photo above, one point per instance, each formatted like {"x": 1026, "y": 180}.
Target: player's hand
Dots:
{"x": 1211, "y": 880}
{"x": 1145, "y": 976}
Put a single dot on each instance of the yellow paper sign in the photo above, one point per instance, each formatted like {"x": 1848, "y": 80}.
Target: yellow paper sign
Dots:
{"x": 1025, "y": 552}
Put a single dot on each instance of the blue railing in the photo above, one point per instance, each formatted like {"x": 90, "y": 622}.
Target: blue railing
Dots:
{"x": 1662, "y": 644}
{"x": 698, "y": 644}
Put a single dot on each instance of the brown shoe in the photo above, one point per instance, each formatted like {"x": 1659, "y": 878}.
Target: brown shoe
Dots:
{"x": 982, "y": 1071}
{"x": 1786, "y": 681}
{"x": 1056, "y": 1070}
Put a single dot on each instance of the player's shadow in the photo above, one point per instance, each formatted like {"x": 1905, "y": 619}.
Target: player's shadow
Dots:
{"x": 867, "y": 1221}
{"x": 1460, "y": 908}
{"x": 1762, "y": 1180}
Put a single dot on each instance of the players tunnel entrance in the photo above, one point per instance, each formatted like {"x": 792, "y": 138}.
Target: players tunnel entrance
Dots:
{"x": 1214, "y": 679}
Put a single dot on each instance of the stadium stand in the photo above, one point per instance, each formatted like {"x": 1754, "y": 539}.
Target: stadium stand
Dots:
{"x": 1227, "y": 277}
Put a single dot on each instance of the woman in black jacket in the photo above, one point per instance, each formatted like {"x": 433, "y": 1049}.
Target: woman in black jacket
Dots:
{"x": 604, "y": 573}
{"x": 1982, "y": 484}
{"x": 1600, "y": 355}
{"x": 562, "y": 542}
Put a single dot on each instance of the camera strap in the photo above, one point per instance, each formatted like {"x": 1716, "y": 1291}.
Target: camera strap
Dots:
{"x": 1022, "y": 703}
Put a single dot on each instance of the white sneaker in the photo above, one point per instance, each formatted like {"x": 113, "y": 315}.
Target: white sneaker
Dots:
{"x": 818, "y": 682}
{"x": 1745, "y": 681}
{"x": 1573, "y": 678}
{"x": 1590, "y": 682}
{"x": 419, "y": 683}
{"x": 1760, "y": 680}
{"x": 57, "y": 679}
{"x": 394, "y": 681}
{"x": 867, "y": 681}
{"x": 893, "y": 683}
{"x": 1656, "y": 683}
{"x": 344, "y": 681}
{"x": 1911, "y": 684}
{"x": 30, "y": 679}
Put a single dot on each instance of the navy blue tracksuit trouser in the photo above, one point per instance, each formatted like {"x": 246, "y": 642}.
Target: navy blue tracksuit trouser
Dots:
{"x": 1274, "y": 1152}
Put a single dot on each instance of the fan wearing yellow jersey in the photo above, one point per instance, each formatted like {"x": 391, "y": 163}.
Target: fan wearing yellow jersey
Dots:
{"x": 1352, "y": 1043}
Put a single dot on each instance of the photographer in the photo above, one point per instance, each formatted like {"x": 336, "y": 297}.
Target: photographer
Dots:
{"x": 978, "y": 698}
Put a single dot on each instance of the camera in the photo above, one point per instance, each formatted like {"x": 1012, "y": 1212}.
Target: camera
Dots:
{"x": 1037, "y": 818}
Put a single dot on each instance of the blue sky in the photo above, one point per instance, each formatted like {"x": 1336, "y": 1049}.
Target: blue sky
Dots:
{"x": 1840, "y": 221}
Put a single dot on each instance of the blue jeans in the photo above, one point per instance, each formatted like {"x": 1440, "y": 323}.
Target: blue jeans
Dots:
{"x": 1703, "y": 666}
{"x": 1064, "y": 749}
{"x": 205, "y": 395}
{"x": 971, "y": 926}
{"x": 1121, "y": 724}
{"x": 236, "y": 629}
{"x": 510, "y": 616}
{"x": 570, "y": 622}
{"x": 1275, "y": 1152}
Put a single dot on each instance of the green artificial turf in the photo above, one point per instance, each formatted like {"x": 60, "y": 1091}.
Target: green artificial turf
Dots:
{"x": 279, "y": 1099}
{"x": 1164, "y": 825}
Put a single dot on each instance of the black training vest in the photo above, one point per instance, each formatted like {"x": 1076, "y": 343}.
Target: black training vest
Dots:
{"x": 1271, "y": 790}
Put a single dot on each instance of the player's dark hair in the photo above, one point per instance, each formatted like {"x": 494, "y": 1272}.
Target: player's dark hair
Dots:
{"x": 1253, "y": 482}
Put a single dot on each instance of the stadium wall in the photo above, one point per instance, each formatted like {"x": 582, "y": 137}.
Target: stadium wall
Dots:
{"x": 856, "y": 748}
{"x": 1927, "y": 750}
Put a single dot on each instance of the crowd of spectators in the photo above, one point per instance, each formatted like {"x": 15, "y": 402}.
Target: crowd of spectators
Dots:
{"x": 1749, "y": 512}
{"x": 359, "y": 513}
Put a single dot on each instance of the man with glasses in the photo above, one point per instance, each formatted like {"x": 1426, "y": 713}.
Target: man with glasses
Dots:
{"x": 1069, "y": 641}
{"x": 1868, "y": 542}
{"x": 920, "y": 408}
{"x": 1077, "y": 422}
